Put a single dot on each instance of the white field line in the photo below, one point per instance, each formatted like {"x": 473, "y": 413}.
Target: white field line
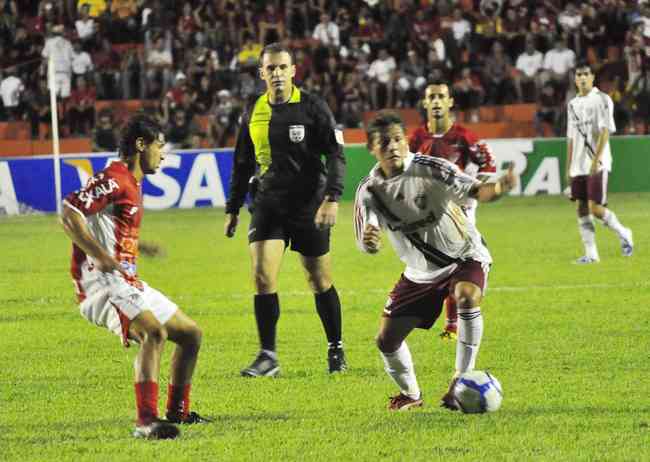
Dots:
{"x": 385, "y": 291}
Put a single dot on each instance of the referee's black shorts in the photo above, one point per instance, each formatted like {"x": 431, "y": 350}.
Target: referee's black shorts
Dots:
{"x": 295, "y": 229}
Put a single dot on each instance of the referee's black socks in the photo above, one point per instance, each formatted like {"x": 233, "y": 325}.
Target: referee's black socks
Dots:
{"x": 328, "y": 306}
{"x": 267, "y": 312}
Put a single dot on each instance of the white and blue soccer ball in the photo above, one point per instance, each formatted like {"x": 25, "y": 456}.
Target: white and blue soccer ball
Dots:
{"x": 477, "y": 392}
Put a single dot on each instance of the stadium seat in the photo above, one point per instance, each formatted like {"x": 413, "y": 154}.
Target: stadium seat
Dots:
{"x": 520, "y": 112}
{"x": 15, "y": 131}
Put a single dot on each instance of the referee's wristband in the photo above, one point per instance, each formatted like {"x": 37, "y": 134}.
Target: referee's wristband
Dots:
{"x": 332, "y": 198}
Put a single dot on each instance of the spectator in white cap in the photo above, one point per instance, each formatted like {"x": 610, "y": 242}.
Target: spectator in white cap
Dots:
{"x": 176, "y": 94}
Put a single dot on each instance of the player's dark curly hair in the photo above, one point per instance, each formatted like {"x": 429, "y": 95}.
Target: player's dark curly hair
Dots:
{"x": 380, "y": 123}
{"x": 139, "y": 126}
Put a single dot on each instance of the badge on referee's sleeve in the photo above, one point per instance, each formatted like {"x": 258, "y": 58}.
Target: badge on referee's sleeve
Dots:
{"x": 338, "y": 134}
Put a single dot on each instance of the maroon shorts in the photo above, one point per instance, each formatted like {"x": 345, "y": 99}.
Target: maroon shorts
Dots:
{"x": 425, "y": 301}
{"x": 590, "y": 187}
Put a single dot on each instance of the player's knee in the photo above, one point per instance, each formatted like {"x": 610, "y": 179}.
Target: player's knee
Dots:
{"x": 155, "y": 333}
{"x": 467, "y": 299}
{"x": 319, "y": 283}
{"x": 385, "y": 343}
{"x": 595, "y": 209}
{"x": 264, "y": 284}
{"x": 195, "y": 335}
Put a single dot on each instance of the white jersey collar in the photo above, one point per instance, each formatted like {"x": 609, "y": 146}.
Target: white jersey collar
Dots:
{"x": 377, "y": 173}
{"x": 593, "y": 90}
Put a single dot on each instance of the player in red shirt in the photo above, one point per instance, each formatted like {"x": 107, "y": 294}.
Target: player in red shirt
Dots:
{"x": 442, "y": 137}
{"x": 103, "y": 222}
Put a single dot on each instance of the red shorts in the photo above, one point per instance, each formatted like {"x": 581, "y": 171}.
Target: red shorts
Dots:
{"x": 425, "y": 301}
{"x": 590, "y": 187}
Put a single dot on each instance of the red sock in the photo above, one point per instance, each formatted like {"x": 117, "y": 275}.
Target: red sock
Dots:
{"x": 178, "y": 399}
{"x": 146, "y": 398}
{"x": 452, "y": 314}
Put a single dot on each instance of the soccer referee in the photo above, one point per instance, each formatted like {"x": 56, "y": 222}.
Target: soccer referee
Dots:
{"x": 283, "y": 134}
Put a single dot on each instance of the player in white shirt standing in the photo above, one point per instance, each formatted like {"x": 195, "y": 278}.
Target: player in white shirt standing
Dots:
{"x": 589, "y": 161}
{"x": 417, "y": 200}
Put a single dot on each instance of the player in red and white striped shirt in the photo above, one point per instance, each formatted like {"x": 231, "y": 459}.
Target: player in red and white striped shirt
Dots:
{"x": 103, "y": 221}
{"x": 442, "y": 137}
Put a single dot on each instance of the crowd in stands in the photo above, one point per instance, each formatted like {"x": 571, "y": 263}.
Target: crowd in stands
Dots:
{"x": 197, "y": 60}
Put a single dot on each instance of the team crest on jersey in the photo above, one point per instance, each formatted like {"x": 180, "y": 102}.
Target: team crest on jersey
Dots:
{"x": 420, "y": 201}
{"x": 296, "y": 133}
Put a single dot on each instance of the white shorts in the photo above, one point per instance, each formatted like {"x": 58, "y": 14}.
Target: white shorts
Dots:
{"x": 62, "y": 84}
{"x": 114, "y": 303}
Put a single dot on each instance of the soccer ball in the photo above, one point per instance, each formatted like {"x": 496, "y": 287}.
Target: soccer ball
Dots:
{"x": 477, "y": 392}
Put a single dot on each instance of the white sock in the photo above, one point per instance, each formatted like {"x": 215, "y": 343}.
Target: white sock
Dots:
{"x": 470, "y": 332}
{"x": 610, "y": 220}
{"x": 399, "y": 365}
{"x": 588, "y": 235}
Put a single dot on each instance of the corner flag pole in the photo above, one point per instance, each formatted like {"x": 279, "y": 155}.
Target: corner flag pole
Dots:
{"x": 55, "y": 135}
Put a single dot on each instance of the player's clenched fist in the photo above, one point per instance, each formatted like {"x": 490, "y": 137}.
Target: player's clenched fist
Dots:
{"x": 371, "y": 238}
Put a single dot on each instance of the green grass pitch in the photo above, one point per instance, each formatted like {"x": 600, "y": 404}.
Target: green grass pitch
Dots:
{"x": 568, "y": 343}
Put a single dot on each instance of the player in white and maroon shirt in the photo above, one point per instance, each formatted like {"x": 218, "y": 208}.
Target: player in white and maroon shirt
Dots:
{"x": 417, "y": 200}
{"x": 442, "y": 137}
{"x": 103, "y": 221}
{"x": 590, "y": 120}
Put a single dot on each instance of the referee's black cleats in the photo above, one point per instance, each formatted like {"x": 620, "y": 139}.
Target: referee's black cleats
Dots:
{"x": 263, "y": 366}
{"x": 336, "y": 360}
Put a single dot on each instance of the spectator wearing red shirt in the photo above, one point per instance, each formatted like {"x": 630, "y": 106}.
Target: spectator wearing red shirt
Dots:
{"x": 423, "y": 29}
{"x": 81, "y": 108}
{"x": 186, "y": 26}
{"x": 176, "y": 93}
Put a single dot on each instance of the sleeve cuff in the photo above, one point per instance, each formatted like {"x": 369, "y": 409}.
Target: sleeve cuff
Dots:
{"x": 332, "y": 197}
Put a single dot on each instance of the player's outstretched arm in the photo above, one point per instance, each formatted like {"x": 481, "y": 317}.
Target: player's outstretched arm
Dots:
{"x": 487, "y": 192}
{"x": 75, "y": 227}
